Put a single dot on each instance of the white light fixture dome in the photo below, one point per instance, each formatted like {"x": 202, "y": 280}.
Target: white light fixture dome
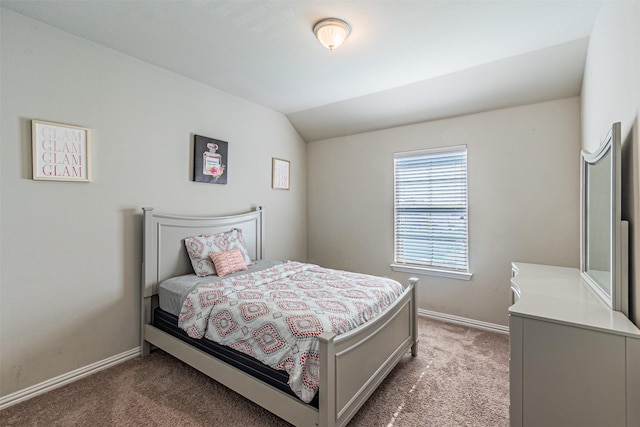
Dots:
{"x": 331, "y": 32}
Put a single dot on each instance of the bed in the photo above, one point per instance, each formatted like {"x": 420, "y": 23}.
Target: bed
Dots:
{"x": 351, "y": 365}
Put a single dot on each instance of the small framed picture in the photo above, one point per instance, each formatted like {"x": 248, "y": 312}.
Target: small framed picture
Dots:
{"x": 280, "y": 174}
{"x": 210, "y": 160}
{"x": 60, "y": 152}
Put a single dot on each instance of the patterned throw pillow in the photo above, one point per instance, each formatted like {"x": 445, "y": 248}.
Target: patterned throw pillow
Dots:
{"x": 200, "y": 247}
{"x": 228, "y": 262}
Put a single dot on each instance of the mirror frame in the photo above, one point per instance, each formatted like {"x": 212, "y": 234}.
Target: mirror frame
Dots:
{"x": 617, "y": 299}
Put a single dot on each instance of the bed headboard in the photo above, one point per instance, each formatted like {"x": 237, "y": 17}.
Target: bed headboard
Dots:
{"x": 163, "y": 251}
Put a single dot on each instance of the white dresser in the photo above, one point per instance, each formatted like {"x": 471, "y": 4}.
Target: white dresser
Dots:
{"x": 574, "y": 361}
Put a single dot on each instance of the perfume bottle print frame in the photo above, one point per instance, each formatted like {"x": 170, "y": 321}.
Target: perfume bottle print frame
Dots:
{"x": 210, "y": 160}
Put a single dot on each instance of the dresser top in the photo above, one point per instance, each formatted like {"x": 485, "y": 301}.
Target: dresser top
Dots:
{"x": 559, "y": 294}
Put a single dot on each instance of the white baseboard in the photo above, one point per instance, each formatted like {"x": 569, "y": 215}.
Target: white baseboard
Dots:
{"x": 65, "y": 379}
{"x": 59, "y": 381}
{"x": 464, "y": 321}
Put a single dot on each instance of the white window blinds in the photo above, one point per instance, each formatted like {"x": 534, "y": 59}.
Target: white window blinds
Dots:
{"x": 430, "y": 212}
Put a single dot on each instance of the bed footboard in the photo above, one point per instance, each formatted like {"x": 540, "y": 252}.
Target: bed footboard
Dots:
{"x": 352, "y": 365}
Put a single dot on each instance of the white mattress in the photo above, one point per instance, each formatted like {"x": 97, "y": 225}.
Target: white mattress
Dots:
{"x": 173, "y": 291}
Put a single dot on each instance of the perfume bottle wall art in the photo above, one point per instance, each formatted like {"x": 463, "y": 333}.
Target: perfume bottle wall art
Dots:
{"x": 210, "y": 160}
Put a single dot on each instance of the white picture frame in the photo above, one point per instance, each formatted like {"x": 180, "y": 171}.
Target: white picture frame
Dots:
{"x": 280, "y": 174}
{"x": 60, "y": 152}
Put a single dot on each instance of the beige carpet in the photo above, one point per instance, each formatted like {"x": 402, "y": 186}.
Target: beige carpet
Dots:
{"x": 460, "y": 378}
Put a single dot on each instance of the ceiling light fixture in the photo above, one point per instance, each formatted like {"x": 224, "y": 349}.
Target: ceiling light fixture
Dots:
{"x": 331, "y": 32}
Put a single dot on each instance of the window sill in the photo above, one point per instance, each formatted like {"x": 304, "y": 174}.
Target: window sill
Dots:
{"x": 431, "y": 271}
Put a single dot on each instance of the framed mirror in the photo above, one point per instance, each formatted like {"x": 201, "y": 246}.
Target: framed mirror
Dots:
{"x": 604, "y": 244}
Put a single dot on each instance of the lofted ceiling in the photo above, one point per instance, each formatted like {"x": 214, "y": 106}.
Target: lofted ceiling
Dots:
{"x": 406, "y": 61}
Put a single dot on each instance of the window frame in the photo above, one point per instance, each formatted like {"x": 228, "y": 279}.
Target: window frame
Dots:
{"x": 453, "y": 273}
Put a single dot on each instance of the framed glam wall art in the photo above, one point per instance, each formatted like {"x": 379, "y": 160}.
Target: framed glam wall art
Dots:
{"x": 210, "y": 160}
{"x": 60, "y": 152}
{"x": 280, "y": 174}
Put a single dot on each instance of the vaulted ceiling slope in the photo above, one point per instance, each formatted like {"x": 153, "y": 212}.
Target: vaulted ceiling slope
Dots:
{"x": 406, "y": 61}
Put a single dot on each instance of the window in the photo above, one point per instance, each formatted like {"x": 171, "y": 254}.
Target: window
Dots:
{"x": 430, "y": 212}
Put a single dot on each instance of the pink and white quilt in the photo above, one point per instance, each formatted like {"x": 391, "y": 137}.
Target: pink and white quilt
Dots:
{"x": 275, "y": 315}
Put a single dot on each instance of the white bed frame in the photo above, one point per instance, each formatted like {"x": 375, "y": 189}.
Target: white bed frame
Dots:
{"x": 352, "y": 365}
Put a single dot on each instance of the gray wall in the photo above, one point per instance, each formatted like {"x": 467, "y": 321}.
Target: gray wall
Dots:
{"x": 70, "y": 252}
{"x": 611, "y": 93}
{"x": 523, "y": 177}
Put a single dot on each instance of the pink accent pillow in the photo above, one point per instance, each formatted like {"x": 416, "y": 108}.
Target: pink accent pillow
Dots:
{"x": 228, "y": 262}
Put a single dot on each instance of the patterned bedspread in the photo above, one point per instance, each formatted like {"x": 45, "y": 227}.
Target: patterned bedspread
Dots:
{"x": 275, "y": 315}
